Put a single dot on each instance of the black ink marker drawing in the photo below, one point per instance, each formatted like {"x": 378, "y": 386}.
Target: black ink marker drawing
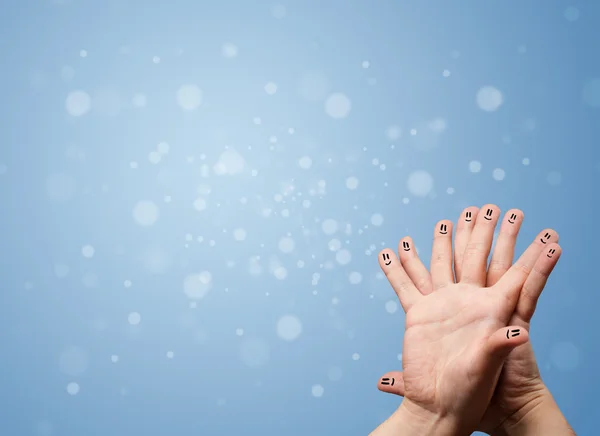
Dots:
{"x": 488, "y": 214}
{"x": 546, "y": 237}
{"x": 386, "y": 258}
{"x": 513, "y": 333}
{"x": 386, "y": 381}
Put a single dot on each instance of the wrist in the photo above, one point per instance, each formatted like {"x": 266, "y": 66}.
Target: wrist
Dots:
{"x": 540, "y": 415}
{"x": 412, "y": 420}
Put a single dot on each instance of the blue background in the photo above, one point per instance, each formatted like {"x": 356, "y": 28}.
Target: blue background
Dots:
{"x": 74, "y": 167}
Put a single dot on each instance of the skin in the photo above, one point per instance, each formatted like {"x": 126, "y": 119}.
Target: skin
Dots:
{"x": 520, "y": 390}
{"x": 464, "y": 329}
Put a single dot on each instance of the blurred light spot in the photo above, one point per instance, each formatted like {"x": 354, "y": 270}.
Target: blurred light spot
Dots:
{"x": 78, "y": 103}
{"x": 280, "y": 273}
{"x": 305, "y": 162}
{"x": 474, "y": 166}
{"x": 329, "y": 226}
{"x": 72, "y": 388}
{"x": 498, "y": 174}
{"x": 338, "y": 106}
{"x": 200, "y": 204}
{"x": 289, "y": 327}
{"x": 343, "y": 257}
{"x": 351, "y": 183}
{"x": 88, "y": 251}
{"x": 271, "y": 88}
{"x": 196, "y": 286}
{"x": 134, "y": 318}
{"x": 355, "y": 278}
{"x": 377, "y": 219}
{"x": 154, "y": 157}
{"x": 420, "y": 183}
{"x": 189, "y": 97}
{"x": 334, "y": 245}
{"x": 229, "y": 50}
{"x": 230, "y": 163}
{"x": 391, "y": 306}
{"x": 239, "y": 234}
{"x": 139, "y": 100}
{"x": 163, "y": 147}
{"x": 355, "y": 356}
{"x": 393, "y": 133}
{"x": 145, "y": 213}
{"x": 286, "y": 244}
{"x": 317, "y": 391}
{"x": 489, "y": 98}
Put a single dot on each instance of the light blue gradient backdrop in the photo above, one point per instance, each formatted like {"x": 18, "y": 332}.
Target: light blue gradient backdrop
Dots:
{"x": 66, "y": 182}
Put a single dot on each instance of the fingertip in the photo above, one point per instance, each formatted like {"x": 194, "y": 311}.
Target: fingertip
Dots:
{"x": 443, "y": 228}
{"x": 406, "y": 246}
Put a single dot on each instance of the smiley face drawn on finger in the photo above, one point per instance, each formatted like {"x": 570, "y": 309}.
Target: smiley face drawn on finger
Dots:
{"x": 405, "y": 246}
{"x": 468, "y": 216}
{"x": 488, "y": 214}
{"x": 550, "y": 254}
{"x": 386, "y": 259}
{"x": 387, "y": 381}
{"x": 513, "y": 218}
{"x": 443, "y": 229}
{"x": 514, "y": 333}
{"x": 546, "y": 237}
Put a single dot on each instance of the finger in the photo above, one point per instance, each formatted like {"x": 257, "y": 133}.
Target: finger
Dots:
{"x": 504, "y": 251}
{"x": 511, "y": 283}
{"x": 441, "y": 255}
{"x": 464, "y": 227}
{"x": 503, "y": 341}
{"x": 407, "y": 293}
{"x": 535, "y": 282}
{"x": 392, "y": 383}
{"x": 413, "y": 266}
{"x": 479, "y": 246}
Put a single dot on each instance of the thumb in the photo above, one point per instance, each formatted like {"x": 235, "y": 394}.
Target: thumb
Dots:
{"x": 503, "y": 341}
{"x": 392, "y": 383}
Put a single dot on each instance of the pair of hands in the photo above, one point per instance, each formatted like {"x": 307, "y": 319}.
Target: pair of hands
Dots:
{"x": 467, "y": 361}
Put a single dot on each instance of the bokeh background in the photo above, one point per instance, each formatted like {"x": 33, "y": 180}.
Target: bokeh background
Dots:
{"x": 194, "y": 194}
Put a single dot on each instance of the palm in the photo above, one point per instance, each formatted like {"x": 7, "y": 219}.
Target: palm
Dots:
{"x": 457, "y": 320}
{"x": 458, "y": 317}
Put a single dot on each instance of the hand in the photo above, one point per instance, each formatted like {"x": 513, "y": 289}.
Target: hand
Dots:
{"x": 456, "y": 339}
